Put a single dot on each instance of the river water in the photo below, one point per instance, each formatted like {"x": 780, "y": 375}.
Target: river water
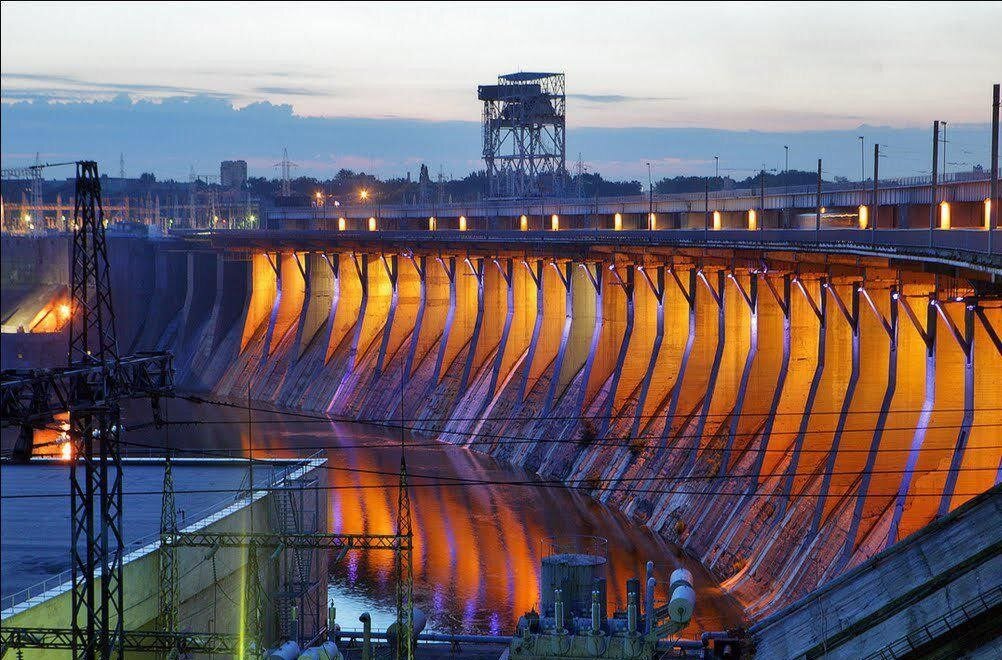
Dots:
{"x": 476, "y": 547}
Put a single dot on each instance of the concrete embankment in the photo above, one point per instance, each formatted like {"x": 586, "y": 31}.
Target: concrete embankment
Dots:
{"x": 782, "y": 418}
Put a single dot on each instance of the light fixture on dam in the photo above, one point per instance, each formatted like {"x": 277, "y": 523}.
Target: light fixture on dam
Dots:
{"x": 864, "y": 217}
{"x": 462, "y": 223}
{"x": 554, "y": 222}
{"x": 523, "y": 223}
{"x": 653, "y": 220}
{"x": 717, "y": 220}
{"x": 617, "y": 221}
{"x": 342, "y": 224}
{"x": 372, "y": 224}
{"x": 944, "y": 215}
{"x": 988, "y": 213}
{"x": 752, "y": 219}
{"x": 432, "y": 223}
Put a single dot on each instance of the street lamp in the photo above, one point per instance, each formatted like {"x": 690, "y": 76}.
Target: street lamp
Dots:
{"x": 716, "y": 168}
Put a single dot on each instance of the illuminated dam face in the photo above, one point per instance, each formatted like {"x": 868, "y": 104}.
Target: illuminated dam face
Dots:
{"x": 782, "y": 416}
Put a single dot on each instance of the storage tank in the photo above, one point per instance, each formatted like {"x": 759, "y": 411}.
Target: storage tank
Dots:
{"x": 577, "y": 566}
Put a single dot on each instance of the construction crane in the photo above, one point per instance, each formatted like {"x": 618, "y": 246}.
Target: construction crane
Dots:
{"x": 90, "y": 387}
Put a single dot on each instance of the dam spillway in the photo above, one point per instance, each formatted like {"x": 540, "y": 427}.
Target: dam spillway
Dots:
{"x": 781, "y": 415}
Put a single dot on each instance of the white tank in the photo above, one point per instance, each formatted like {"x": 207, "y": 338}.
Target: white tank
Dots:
{"x": 682, "y": 603}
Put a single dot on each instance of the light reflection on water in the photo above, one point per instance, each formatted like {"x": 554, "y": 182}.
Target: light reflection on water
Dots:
{"x": 476, "y": 547}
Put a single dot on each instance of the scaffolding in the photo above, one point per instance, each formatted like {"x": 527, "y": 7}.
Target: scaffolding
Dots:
{"x": 524, "y": 133}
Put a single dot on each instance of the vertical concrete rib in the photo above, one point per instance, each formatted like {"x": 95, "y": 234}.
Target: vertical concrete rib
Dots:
{"x": 334, "y": 263}
{"x": 657, "y": 286}
{"x": 751, "y": 299}
{"x": 596, "y": 334}
{"x": 361, "y": 263}
{"x": 820, "y": 309}
{"x": 784, "y": 303}
{"x": 276, "y": 265}
{"x": 537, "y": 277}
{"x": 718, "y": 297}
{"x": 689, "y": 293}
{"x": 851, "y": 315}
{"x": 565, "y": 279}
{"x": 420, "y": 266}
{"x": 449, "y": 266}
{"x": 928, "y": 335}
{"x": 965, "y": 339}
{"x": 624, "y": 346}
{"x": 392, "y": 273}
{"x": 477, "y": 269}
{"x": 890, "y": 326}
{"x": 506, "y": 274}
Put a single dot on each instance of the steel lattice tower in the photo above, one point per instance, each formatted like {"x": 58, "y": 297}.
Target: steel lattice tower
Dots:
{"x": 524, "y": 131}
{"x": 96, "y": 542}
{"x": 404, "y": 569}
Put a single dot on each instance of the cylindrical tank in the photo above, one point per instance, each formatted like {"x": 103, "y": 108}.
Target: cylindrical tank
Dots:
{"x": 682, "y": 597}
{"x": 287, "y": 651}
{"x": 326, "y": 651}
{"x": 577, "y": 566}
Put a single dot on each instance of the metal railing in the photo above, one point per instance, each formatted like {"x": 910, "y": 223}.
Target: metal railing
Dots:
{"x": 55, "y": 581}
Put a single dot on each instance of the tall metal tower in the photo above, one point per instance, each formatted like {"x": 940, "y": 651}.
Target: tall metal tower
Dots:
{"x": 524, "y": 126}
{"x": 286, "y": 166}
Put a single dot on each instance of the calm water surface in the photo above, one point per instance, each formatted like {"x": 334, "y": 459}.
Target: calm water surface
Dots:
{"x": 476, "y": 547}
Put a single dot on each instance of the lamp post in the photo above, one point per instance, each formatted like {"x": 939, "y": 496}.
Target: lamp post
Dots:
{"x": 650, "y": 197}
{"x": 786, "y": 182}
{"x": 862, "y": 157}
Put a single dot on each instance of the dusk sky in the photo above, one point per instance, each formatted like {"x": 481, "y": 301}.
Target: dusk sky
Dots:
{"x": 768, "y": 70}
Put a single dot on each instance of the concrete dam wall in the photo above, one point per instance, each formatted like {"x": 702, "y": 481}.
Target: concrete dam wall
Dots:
{"x": 781, "y": 417}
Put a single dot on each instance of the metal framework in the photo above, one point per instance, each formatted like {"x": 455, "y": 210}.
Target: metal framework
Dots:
{"x": 147, "y": 641}
{"x": 89, "y": 388}
{"x": 524, "y": 134}
{"x": 300, "y": 584}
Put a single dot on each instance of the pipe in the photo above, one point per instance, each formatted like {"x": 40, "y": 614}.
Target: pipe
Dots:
{"x": 558, "y": 611}
{"x": 366, "y": 635}
{"x": 596, "y": 613}
{"x": 631, "y": 613}
{"x": 649, "y": 599}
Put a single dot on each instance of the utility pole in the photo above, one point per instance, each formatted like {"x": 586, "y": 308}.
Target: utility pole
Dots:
{"x": 993, "y": 189}
{"x": 817, "y": 217}
{"x": 650, "y": 198}
{"x": 944, "y": 150}
{"x": 786, "y": 181}
{"x": 761, "y": 198}
{"x": 716, "y": 168}
{"x": 876, "y": 204}
{"x": 862, "y": 156}
{"x": 935, "y": 171}
{"x": 706, "y": 209}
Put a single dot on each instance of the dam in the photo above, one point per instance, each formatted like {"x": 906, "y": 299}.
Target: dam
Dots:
{"x": 783, "y": 408}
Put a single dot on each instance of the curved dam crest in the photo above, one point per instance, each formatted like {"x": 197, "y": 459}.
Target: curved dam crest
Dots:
{"x": 781, "y": 417}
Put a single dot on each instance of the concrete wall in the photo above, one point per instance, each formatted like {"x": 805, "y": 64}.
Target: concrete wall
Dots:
{"x": 673, "y": 363}
{"x": 930, "y": 575}
{"x": 676, "y": 372}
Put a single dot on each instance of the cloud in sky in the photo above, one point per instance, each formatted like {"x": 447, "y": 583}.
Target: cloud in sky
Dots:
{"x": 173, "y": 134}
{"x": 738, "y": 66}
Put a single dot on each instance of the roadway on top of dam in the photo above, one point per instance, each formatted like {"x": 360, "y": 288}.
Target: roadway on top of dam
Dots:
{"x": 972, "y": 252}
